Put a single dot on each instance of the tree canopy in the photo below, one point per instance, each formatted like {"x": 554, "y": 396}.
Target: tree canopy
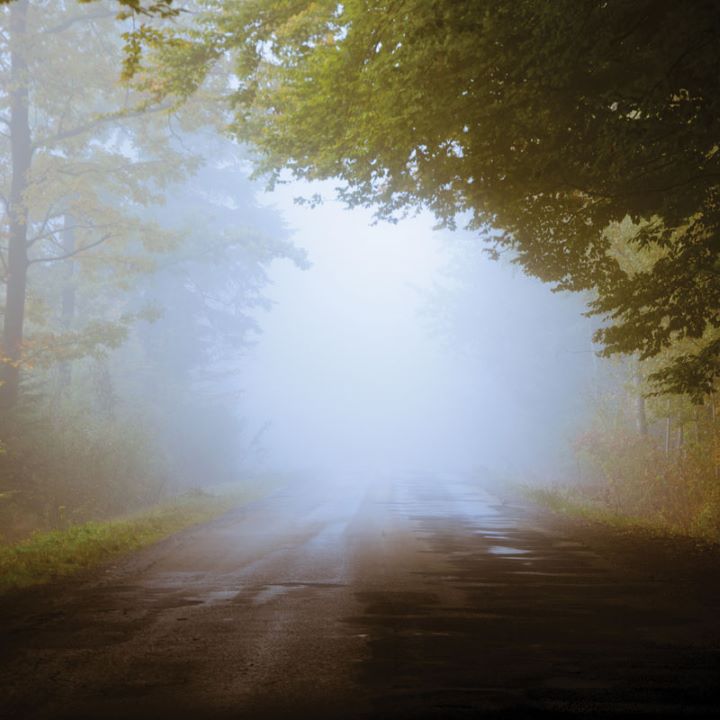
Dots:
{"x": 545, "y": 122}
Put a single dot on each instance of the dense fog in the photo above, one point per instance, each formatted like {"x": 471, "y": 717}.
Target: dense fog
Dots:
{"x": 407, "y": 348}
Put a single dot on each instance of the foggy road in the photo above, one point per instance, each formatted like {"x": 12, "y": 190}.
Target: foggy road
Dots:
{"x": 420, "y": 597}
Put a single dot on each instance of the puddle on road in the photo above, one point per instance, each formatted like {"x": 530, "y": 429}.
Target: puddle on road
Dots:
{"x": 506, "y": 550}
{"x": 270, "y": 592}
{"x": 493, "y": 535}
{"x": 218, "y": 596}
{"x": 587, "y": 573}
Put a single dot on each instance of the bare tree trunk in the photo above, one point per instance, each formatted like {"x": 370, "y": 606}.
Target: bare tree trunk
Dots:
{"x": 640, "y": 410}
{"x": 67, "y": 307}
{"x": 713, "y": 419}
{"x": 21, "y": 156}
{"x": 104, "y": 389}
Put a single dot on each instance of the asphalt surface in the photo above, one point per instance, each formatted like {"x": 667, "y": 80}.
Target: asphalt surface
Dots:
{"x": 420, "y": 597}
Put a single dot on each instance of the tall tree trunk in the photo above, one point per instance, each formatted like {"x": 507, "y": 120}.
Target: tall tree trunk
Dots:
{"x": 713, "y": 429}
{"x": 67, "y": 307}
{"x": 640, "y": 411}
{"x": 21, "y": 155}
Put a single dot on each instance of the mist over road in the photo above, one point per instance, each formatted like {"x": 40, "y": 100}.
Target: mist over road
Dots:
{"x": 406, "y": 597}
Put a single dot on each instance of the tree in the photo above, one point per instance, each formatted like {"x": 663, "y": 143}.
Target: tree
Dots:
{"x": 79, "y": 157}
{"x": 546, "y": 121}
{"x": 121, "y": 222}
{"x": 209, "y": 291}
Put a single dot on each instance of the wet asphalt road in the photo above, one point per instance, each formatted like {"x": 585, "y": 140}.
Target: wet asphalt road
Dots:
{"x": 423, "y": 597}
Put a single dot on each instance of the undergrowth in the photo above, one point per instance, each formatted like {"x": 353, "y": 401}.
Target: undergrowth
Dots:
{"x": 658, "y": 471}
{"x": 64, "y": 466}
{"x": 569, "y": 502}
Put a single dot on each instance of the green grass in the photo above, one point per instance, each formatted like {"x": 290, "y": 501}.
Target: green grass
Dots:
{"x": 47, "y": 556}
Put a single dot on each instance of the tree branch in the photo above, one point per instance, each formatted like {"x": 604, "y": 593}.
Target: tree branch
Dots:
{"x": 48, "y": 217}
{"x": 85, "y": 127}
{"x": 64, "y": 228}
{"x": 67, "y": 256}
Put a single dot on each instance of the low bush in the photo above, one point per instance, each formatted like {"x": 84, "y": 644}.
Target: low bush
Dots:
{"x": 67, "y": 466}
{"x": 667, "y": 479}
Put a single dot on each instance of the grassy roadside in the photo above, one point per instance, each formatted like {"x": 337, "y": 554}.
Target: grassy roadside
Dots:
{"x": 47, "y": 556}
{"x": 565, "y": 504}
